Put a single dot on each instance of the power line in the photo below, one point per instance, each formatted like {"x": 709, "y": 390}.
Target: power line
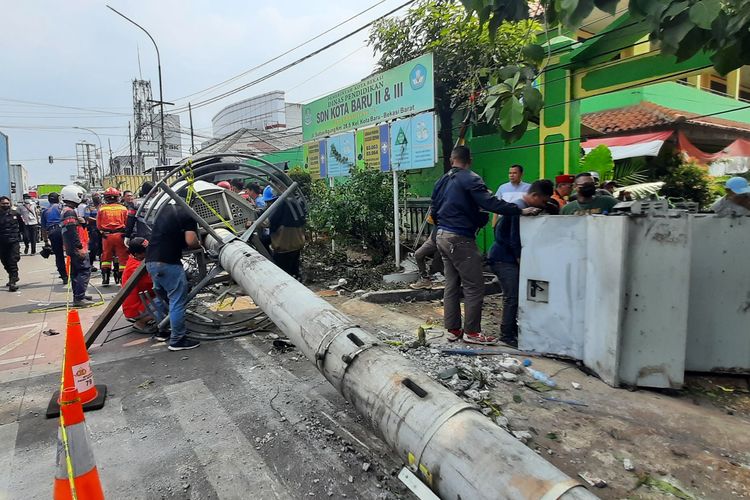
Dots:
{"x": 275, "y": 58}
{"x": 296, "y": 62}
{"x": 34, "y": 103}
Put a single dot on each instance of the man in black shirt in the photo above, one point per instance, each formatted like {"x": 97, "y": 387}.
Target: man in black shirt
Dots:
{"x": 174, "y": 231}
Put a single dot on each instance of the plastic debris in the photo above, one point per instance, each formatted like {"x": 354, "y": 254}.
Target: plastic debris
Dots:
{"x": 576, "y": 385}
{"x": 541, "y": 377}
{"x": 509, "y": 377}
{"x": 51, "y": 332}
{"x": 628, "y": 464}
{"x": 566, "y": 401}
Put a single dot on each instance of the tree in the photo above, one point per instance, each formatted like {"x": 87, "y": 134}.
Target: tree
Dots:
{"x": 682, "y": 28}
{"x": 462, "y": 48}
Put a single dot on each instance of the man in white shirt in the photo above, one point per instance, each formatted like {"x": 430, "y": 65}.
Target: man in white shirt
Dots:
{"x": 515, "y": 189}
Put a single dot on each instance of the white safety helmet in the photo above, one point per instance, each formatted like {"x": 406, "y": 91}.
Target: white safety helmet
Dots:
{"x": 72, "y": 193}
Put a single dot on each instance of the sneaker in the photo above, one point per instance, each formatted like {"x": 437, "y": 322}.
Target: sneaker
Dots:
{"x": 422, "y": 284}
{"x": 12, "y": 287}
{"x": 184, "y": 344}
{"x": 455, "y": 334}
{"x": 64, "y": 280}
{"x": 84, "y": 302}
{"x": 88, "y": 297}
{"x": 478, "y": 338}
{"x": 162, "y": 336}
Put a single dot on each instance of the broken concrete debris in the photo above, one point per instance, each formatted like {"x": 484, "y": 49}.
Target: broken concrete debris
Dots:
{"x": 593, "y": 480}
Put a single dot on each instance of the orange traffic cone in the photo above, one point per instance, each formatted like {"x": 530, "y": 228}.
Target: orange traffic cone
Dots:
{"x": 76, "y": 475}
{"x": 77, "y": 372}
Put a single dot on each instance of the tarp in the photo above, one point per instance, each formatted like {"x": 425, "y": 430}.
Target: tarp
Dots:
{"x": 737, "y": 149}
{"x": 630, "y": 146}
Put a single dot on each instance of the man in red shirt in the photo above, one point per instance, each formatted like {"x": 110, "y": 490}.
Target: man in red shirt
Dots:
{"x": 133, "y": 307}
{"x": 111, "y": 221}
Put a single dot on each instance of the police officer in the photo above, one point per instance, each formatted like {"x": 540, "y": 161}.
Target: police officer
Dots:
{"x": 51, "y": 232}
{"x": 75, "y": 240}
{"x": 11, "y": 226}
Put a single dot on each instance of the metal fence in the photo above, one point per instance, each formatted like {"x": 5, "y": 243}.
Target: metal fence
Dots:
{"x": 413, "y": 221}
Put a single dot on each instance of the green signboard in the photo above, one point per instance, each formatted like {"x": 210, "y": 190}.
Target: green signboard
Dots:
{"x": 404, "y": 90}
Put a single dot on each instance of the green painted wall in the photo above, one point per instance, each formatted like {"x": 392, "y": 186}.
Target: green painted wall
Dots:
{"x": 295, "y": 157}
{"x": 672, "y": 95}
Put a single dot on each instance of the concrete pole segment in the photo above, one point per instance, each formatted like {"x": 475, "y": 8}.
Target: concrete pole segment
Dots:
{"x": 456, "y": 450}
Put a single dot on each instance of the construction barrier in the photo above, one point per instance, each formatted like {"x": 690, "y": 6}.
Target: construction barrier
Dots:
{"x": 76, "y": 476}
{"x": 77, "y": 370}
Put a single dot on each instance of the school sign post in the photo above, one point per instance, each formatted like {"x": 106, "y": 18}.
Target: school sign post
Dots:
{"x": 404, "y": 90}
{"x": 399, "y": 95}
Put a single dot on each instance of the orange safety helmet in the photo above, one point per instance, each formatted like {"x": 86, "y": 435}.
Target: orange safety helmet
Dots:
{"x": 111, "y": 192}
{"x": 224, "y": 185}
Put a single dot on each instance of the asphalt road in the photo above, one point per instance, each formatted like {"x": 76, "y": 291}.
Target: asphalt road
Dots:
{"x": 231, "y": 419}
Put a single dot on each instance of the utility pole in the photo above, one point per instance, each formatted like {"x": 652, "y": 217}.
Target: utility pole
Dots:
{"x": 161, "y": 91}
{"x": 130, "y": 141}
{"x": 192, "y": 138}
{"x": 109, "y": 143}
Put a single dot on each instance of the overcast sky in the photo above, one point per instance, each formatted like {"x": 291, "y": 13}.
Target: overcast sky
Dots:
{"x": 78, "y": 53}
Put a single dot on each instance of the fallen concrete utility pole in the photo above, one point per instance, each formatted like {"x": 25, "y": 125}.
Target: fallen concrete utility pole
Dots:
{"x": 455, "y": 449}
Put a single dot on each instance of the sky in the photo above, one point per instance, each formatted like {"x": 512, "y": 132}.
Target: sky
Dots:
{"x": 79, "y": 54}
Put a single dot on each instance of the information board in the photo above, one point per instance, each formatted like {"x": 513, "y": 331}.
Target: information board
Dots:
{"x": 413, "y": 142}
{"x": 400, "y": 91}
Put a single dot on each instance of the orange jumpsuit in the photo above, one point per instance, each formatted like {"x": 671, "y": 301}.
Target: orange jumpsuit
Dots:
{"x": 111, "y": 221}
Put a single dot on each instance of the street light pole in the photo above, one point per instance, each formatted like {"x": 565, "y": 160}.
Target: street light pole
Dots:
{"x": 101, "y": 150}
{"x": 161, "y": 91}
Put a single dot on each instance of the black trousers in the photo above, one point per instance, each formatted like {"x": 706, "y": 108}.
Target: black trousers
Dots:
{"x": 56, "y": 242}
{"x": 10, "y": 254}
{"x": 30, "y": 237}
{"x": 95, "y": 244}
{"x": 80, "y": 274}
{"x": 288, "y": 262}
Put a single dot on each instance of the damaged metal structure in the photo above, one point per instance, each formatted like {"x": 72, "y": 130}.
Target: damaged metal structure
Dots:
{"x": 455, "y": 450}
{"x": 641, "y": 297}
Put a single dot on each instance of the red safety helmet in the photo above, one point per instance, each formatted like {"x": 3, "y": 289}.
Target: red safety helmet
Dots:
{"x": 110, "y": 191}
{"x": 224, "y": 185}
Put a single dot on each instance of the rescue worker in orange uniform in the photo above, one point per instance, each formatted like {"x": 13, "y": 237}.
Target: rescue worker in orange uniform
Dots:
{"x": 111, "y": 221}
{"x": 563, "y": 188}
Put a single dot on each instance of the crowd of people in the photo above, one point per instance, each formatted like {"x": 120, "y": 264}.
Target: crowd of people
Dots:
{"x": 461, "y": 203}
{"x": 81, "y": 229}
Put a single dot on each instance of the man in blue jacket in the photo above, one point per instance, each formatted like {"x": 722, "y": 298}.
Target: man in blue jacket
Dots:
{"x": 505, "y": 256}
{"x": 51, "y": 231}
{"x": 458, "y": 200}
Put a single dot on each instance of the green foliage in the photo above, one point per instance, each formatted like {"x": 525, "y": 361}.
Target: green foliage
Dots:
{"x": 630, "y": 171}
{"x": 599, "y": 160}
{"x": 359, "y": 210}
{"x": 302, "y": 177}
{"x": 463, "y": 48}
{"x": 688, "y": 181}
{"x": 681, "y": 27}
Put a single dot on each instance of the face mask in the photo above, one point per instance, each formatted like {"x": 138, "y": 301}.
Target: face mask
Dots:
{"x": 587, "y": 190}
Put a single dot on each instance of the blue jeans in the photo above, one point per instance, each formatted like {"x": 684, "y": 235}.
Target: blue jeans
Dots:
{"x": 170, "y": 285}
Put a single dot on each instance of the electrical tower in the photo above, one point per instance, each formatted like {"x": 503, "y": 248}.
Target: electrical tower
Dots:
{"x": 146, "y": 146}
{"x": 88, "y": 168}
